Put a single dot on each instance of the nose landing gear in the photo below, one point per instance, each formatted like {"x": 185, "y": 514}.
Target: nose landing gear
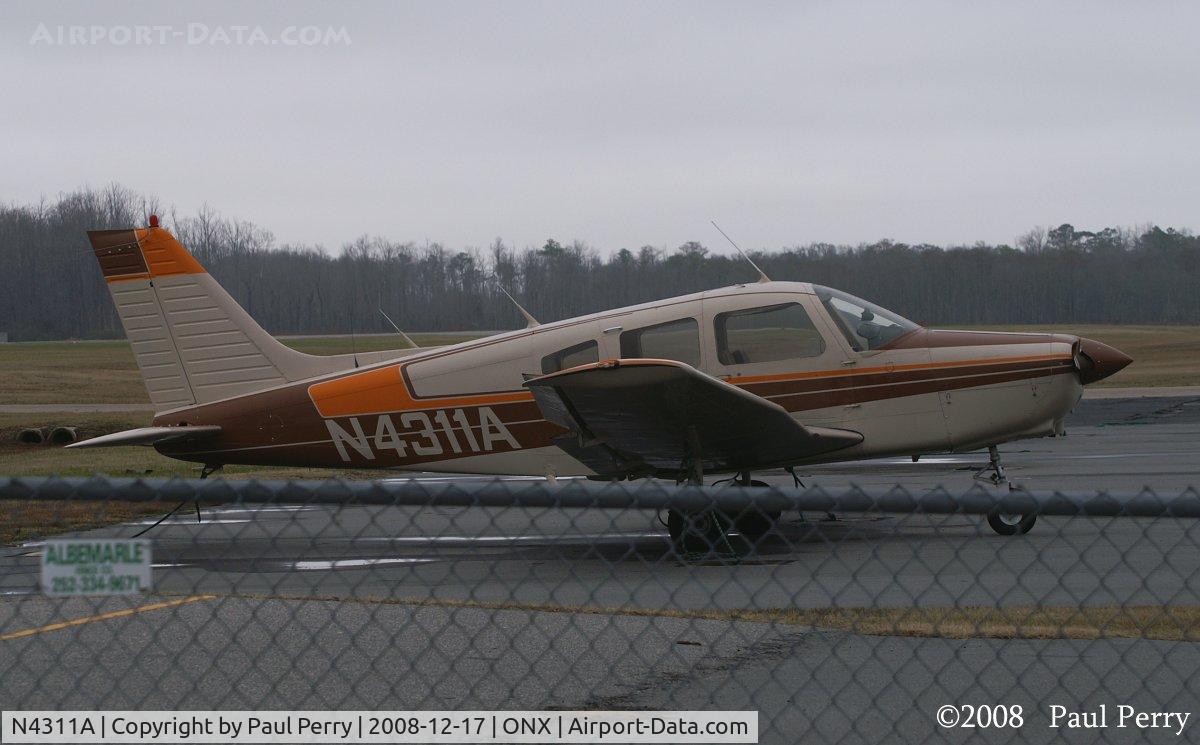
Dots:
{"x": 1003, "y": 523}
{"x": 1006, "y": 524}
{"x": 997, "y": 477}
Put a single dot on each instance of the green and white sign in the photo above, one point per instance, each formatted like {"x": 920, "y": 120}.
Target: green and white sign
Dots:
{"x": 96, "y": 566}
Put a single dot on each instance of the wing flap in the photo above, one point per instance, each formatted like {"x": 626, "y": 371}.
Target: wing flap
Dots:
{"x": 652, "y": 413}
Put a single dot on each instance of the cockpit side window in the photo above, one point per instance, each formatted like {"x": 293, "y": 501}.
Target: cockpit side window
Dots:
{"x": 767, "y": 334}
{"x": 674, "y": 340}
{"x": 865, "y": 325}
{"x": 573, "y": 356}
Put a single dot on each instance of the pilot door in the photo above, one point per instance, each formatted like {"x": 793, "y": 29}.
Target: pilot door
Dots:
{"x": 776, "y": 345}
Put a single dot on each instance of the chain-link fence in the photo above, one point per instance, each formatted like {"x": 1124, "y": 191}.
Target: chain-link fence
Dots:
{"x": 840, "y": 616}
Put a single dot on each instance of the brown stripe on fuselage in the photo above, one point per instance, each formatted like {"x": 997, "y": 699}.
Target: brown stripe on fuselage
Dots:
{"x": 310, "y": 444}
{"x": 862, "y": 394}
{"x": 284, "y": 427}
{"x": 842, "y": 379}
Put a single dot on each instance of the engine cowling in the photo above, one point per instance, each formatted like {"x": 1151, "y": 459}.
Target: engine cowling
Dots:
{"x": 1096, "y": 361}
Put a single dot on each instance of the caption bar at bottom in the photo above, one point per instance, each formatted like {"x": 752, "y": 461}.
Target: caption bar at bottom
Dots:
{"x": 379, "y": 726}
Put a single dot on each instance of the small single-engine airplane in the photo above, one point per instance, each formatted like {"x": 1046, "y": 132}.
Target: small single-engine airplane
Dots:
{"x": 756, "y": 376}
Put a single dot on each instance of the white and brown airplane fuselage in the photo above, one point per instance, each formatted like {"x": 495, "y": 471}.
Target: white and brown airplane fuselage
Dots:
{"x": 758, "y": 375}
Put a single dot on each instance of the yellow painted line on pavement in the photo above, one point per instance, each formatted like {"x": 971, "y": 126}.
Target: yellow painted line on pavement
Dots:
{"x": 104, "y": 617}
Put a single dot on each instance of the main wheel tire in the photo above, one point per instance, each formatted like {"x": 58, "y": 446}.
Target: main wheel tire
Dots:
{"x": 754, "y": 523}
{"x": 701, "y": 532}
{"x": 675, "y": 524}
{"x": 1006, "y": 524}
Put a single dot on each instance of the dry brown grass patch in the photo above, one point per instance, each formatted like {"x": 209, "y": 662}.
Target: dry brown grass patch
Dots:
{"x": 104, "y": 372}
{"x": 22, "y": 521}
{"x": 1162, "y": 355}
{"x": 1168, "y": 623}
{"x": 1174, "y": 623}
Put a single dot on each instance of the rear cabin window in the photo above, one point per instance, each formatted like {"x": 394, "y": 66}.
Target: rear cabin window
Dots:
{"x": 768, "y": 334}
{"x": 674, "y": 340}
{"x": 579, "y": 354}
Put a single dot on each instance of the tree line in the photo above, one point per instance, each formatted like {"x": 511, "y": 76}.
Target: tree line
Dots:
{"x": 51, "y": 288}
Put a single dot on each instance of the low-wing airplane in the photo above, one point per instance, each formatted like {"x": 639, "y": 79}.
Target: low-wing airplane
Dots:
{"x": 744, "y": 378}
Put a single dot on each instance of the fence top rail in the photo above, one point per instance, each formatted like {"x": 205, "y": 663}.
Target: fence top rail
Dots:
{"x": 648, "y": 495}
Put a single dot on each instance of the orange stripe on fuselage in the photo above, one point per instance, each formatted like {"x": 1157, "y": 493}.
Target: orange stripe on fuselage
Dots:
{"x": 384, "y": 390}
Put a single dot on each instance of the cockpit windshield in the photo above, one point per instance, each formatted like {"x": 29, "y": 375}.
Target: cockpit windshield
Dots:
{"x": 865, "y": 325}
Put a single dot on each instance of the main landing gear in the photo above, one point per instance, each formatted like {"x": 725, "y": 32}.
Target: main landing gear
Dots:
{"x": 1003, "y": 523}
{"x": 713, "y": 531}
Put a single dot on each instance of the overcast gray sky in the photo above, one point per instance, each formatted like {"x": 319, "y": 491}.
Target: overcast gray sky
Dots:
{"x": 619, "y": 124}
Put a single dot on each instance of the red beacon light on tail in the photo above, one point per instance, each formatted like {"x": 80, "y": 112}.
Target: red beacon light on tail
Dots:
{"x": 154, "y": 221}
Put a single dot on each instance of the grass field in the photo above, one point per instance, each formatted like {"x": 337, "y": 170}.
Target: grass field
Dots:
{"x": 33, "y": 520}
{"x": 47, "y": 460}
{"x": 23, "y": 521}
{"x": 104, "y": 372}
{"x": 1162, "y": 355}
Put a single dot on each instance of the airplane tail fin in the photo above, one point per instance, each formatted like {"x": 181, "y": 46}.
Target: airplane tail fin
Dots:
{"x": 193, "y": 343}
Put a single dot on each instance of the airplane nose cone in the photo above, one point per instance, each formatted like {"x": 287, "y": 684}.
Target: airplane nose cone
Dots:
{"x": 1096, "y": 361}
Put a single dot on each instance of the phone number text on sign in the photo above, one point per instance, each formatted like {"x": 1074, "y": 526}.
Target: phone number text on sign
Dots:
{"x": 73, "y": 566}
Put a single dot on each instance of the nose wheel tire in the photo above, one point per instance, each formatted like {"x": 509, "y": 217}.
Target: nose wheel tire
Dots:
{"x": 1006, "y": 524}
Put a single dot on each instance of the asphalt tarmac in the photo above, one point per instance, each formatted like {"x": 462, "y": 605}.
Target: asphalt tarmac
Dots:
{"x": 319, "y": 607}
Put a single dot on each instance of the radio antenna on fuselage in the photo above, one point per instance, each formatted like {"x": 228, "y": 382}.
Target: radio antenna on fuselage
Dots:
{"x": 404, "y": 336}
{"x": 762, "y": 276}
{"x": 530, "y": 321}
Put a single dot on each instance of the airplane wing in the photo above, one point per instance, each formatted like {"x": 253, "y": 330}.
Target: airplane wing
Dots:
{"x": 643, "y": 415}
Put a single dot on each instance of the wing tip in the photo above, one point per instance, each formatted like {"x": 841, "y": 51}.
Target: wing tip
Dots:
{"x": 842, "y": 438}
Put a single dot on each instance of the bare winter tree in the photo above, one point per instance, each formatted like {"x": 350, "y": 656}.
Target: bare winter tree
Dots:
{"x": 50, "y": 287}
